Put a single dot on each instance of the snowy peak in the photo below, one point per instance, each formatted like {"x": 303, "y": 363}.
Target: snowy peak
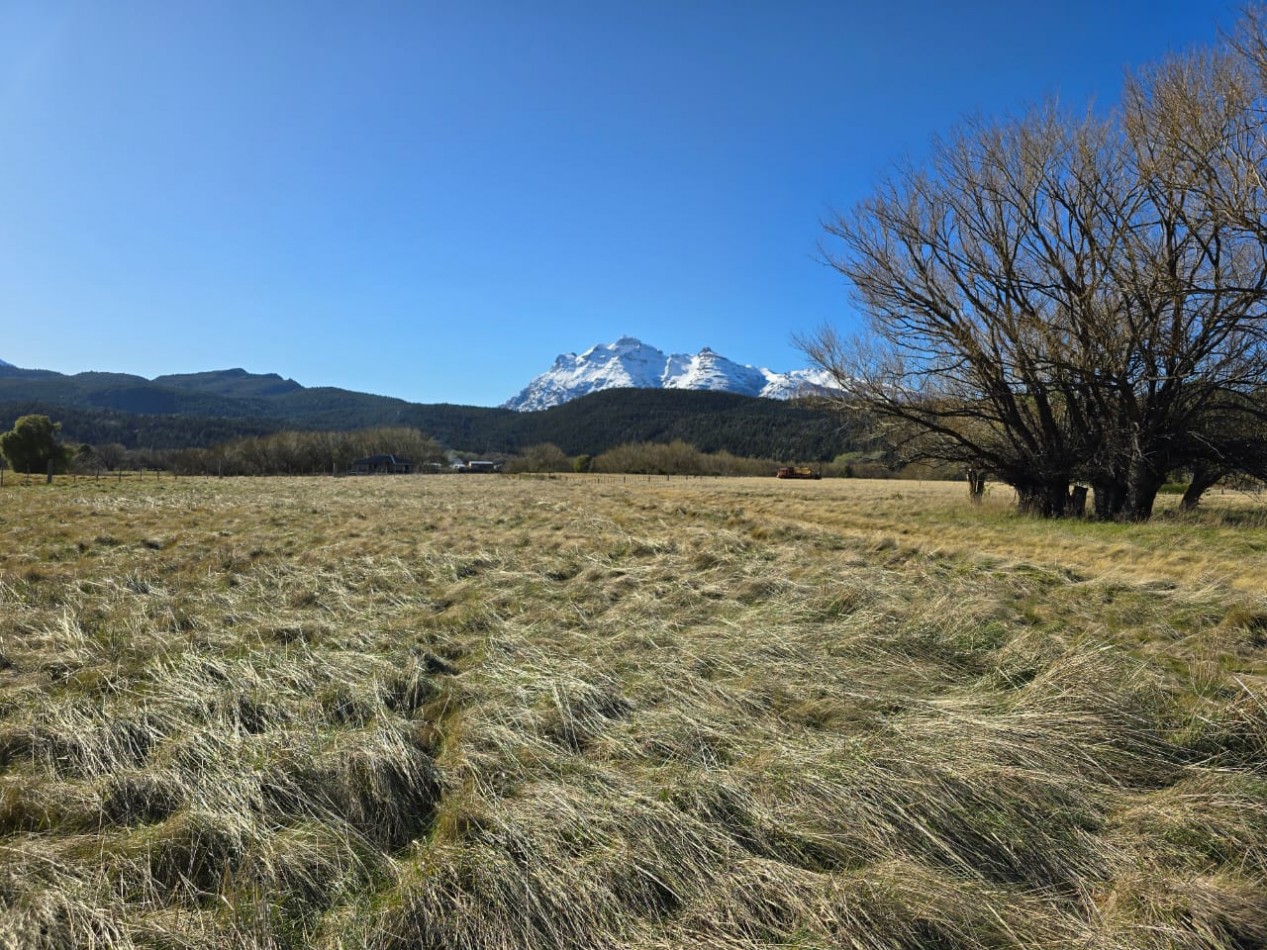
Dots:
{"x": 799, "y": 382}
{"x": 708, "y": 369}
{"x": 631, "y": 363}
{"x": 626, "y": 363}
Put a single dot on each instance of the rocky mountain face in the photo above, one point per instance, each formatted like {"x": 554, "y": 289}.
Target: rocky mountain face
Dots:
{"x": 630, "y": 363}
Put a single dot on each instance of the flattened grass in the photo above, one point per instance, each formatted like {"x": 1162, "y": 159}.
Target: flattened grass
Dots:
{"x": 580, "y": 712}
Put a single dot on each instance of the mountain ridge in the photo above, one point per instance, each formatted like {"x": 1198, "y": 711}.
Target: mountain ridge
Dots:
{"x": 201, "y": 409}
{"x": 630, "y": 363}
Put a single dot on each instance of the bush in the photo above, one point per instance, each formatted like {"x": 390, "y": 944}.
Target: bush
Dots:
{"x": 31, "y": 445}
{"x": 546, "y": 457}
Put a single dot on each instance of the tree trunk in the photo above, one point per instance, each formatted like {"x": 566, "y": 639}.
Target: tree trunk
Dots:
{"x": 1043, "y": 501}
{"x": 1203, "y": 479}
{"x": 1110, "y": 498}
{"x": 976, "y": 485}
{"x": 1078, "y": 502}
{"x": 1141, "y": 492}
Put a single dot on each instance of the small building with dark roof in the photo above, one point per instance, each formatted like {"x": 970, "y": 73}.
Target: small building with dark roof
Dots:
{"x": 382, "y": 465}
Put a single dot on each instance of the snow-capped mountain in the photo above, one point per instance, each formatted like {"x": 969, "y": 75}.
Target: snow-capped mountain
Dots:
{"x": 631, "y": 363}
{"x": 708, "y": 369}
{"x": 3, "y": 363}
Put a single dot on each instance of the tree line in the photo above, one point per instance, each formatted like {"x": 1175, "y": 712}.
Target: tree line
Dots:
{"x": 306, "y": 453}
{"x": 34, "y": 444}
{"x": 742, "y": 425}
{"x": 1074, "y": 298}
{"x": 676, "y": 457}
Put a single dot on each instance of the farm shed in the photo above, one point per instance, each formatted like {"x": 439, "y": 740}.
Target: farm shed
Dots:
{"x": 382, "y": 465}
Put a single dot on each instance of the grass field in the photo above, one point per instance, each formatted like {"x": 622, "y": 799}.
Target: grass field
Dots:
{"x": 465, "y": 712}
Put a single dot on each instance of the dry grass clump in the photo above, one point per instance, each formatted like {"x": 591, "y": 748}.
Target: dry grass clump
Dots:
{"x": 470, "y": 713}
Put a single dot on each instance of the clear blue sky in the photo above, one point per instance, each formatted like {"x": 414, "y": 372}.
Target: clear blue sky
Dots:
{"x": 432, "y": 200}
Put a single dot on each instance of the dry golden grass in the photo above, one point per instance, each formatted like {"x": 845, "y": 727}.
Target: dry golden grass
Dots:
{"x": 470, "y": 712}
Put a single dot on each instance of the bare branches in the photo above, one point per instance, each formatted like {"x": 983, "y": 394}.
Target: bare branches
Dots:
{"x": 1065, "y": 298}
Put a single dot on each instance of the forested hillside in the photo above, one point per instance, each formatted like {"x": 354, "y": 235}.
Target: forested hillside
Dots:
{"x": 205, "y": 409}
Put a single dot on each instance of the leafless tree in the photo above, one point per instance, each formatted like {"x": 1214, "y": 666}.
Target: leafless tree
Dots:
{"x": 981, "y": 276}
{"x": 1061, "y": 298}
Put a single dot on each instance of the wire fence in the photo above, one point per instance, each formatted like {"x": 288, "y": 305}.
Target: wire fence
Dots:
{"x": 12, "y": 479}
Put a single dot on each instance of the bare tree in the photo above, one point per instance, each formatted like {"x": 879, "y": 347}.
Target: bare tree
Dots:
{"x": 1198, "y": 276}
{"x": 985, "y": 281}
{"x": 111, "y": 455}
{"x": 1063, "y": 298}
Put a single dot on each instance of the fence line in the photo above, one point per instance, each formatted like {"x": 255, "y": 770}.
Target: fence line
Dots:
{"x": 12, "y": 479}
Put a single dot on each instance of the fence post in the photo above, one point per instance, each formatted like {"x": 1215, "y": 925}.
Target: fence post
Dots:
{"x": 48, "y": 479}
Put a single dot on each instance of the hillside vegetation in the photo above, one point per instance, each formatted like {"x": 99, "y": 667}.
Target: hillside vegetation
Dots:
{"x": 625, "y": 712}
{"x": 200, "y": 410}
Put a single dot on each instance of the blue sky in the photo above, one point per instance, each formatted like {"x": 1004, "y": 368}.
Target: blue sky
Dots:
{"x": 432, "y": 200}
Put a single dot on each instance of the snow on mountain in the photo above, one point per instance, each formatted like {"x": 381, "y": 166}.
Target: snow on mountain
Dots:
{"x": 799, "y": 382}
{"x": 3, "y": 363}
{"x": 708, "y": 369}
{"x": 631, "y": 363}
{"x": 625, "y": 363}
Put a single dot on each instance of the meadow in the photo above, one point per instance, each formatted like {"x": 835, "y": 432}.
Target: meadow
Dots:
{"x": 515, "y": 712}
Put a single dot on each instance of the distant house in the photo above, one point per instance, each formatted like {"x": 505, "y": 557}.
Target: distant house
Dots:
{"x": 477, "y": 466}
{"x": 382, "y": 465}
